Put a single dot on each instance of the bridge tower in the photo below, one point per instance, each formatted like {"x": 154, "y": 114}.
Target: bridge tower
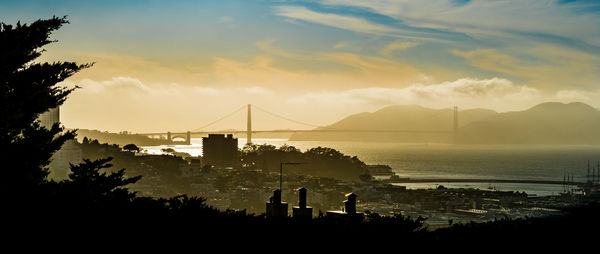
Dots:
{"x": 249, "y": 125}
{"x": 169, "y": 136}
{"x": 455, "y": 124}
{"x": 188, "y": 138}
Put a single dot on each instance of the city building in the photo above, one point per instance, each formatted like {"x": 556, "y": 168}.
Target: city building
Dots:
{"x": 50, "y": 117}
{"x": 220, "y": 151}
{"x": 190, "y": 168}
{"x": 69, "y": 153}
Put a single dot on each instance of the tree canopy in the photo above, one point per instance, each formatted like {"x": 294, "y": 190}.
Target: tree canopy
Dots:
{"x": 131, "y": 148}
{"x": 28, "y": 89}
{"x": 318, "y": 161}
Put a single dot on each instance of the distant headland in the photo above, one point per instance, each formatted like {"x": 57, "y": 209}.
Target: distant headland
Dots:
{"x": 546, "y": 123}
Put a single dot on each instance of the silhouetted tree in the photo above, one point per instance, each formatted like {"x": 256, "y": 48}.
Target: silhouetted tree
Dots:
{"x": 91, "y": 186}
{"x": 28, "y": 89}
{"x": 366, "y": 177}
{"x": 131, "y": 148}
{"x": 168, "y": 150}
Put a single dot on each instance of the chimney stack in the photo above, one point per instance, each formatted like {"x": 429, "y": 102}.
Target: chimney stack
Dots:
{"x": 302, "y": 212}
{"x": 350, "y": 203}
{"x": 302, "y": 197}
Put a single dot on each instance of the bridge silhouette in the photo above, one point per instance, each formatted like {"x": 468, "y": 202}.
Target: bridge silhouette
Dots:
{"x": 187, "y": 135}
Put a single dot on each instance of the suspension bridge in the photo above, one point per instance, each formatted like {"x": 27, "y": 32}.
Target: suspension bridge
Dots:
{"x": 187, "y": 135}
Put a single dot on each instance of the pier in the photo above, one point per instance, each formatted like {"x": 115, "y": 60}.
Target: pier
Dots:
{"x": 452, "y": 180}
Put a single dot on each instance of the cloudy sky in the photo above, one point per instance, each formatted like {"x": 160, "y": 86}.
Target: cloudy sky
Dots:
{"x": 177, "y": 65}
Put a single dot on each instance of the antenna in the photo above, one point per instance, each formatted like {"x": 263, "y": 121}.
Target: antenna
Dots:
{"x": 588, "y": 168}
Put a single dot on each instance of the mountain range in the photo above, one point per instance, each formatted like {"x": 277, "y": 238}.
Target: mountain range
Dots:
{"x": 546, "y": 123}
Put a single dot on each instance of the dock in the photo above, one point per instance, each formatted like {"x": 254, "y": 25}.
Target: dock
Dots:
{"x": 452, "y": 180}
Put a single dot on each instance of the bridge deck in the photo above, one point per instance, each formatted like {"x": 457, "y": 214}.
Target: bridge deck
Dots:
{"x": 298, "y": 131}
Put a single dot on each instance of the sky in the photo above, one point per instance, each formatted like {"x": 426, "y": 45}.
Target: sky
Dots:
{"x": 178, "y": 65}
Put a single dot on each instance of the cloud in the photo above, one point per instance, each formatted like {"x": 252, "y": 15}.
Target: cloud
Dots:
{"x": 119, "y": 84}
{"x": 129, "y": 103}
{"x": 395, "y": 46}
{"x": 267, "y": 46}
{"x": 348, "y": 23}
{"x": 375, "y": 69}
{"x": 206, "y": 91}
{"x": 333, "y": 69}
{"x": 490, "y": 18}
{"x": 543, "y": 65}
{"x": 259, "y": 71}
{"x": 340, "y": 45}
{"x": 575, "y": 95}
{"x": 334, "y": 20}
{"x": 133, "y": 86}
{"x": 495, "y": 93}
{"x": 110, "y": 65}
{"x": 257, "y": 90}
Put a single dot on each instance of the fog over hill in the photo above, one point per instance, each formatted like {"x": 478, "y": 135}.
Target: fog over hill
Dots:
{"x": 546, "y": 123}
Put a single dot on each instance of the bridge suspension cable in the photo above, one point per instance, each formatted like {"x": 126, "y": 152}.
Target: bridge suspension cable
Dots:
{"x": 292, "y": 120}
{"x": 285, "y": 118}
{"x": 220, "y": 119}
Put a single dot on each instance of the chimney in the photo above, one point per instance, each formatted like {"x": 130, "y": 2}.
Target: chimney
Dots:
{"x": 350, "y": 203}
{"x": 302, "y": 197}
{"x": 302, "y": 211}
{"x": 277, "y": 196}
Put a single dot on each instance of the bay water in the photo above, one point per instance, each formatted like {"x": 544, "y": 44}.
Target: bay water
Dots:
{"x": 448, "y": 161}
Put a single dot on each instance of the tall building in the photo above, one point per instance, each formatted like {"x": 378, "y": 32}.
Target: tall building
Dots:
{"x": 50, "y": 117}
{"x": 220, "y": 151}
{"x": 69, "y": 153}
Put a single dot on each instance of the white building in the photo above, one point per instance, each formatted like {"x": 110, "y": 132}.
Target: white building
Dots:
{"x": 50, "y": 117}
{"x": 70, "y": 152}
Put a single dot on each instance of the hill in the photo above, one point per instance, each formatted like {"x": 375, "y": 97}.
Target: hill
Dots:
{"x": 546, "y": 123}
{"x": 399, "y": 117}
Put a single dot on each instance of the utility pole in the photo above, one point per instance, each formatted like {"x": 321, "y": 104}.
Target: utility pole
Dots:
{"x": 249, "y": 126}
{"x": 588, "y": 174}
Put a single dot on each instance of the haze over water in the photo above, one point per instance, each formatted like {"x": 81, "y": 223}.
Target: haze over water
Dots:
{"x": 531, "y": 162}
